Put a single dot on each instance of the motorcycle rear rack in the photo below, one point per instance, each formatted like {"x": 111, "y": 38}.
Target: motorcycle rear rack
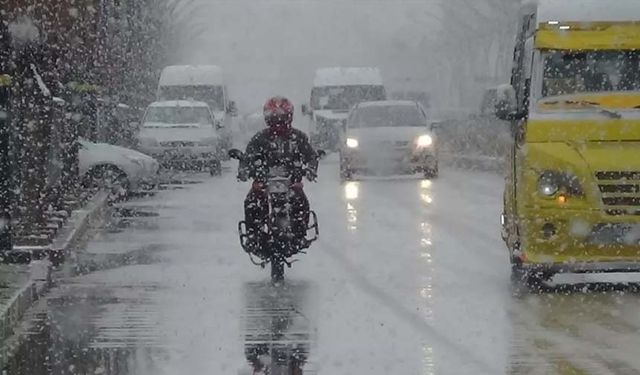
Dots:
{"x": 311, "y": 227}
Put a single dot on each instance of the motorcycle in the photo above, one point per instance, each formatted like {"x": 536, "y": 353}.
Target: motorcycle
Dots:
{"x": 277, "y": 241}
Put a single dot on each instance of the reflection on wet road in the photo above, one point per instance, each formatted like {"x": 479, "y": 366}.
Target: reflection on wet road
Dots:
{"x": 278, "y": 327}
{"x": 409, "y": 277}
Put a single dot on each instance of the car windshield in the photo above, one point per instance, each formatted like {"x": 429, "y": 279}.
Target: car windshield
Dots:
{"x": 212, "y": 95}
{"x": 344, "y": 97}
{"x": 387, "y": 116}
{"x": 177, "y": 116}
{"x": 568, "y": 73}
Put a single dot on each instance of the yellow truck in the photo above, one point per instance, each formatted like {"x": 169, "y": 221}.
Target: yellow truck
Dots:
{"x": 572, "y": 192}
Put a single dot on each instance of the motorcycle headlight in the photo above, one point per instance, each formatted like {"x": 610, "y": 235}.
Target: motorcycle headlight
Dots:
{"x": 551, "y": 182}
{"x": 424, "y": 141}
{"x": 352, "y": 143}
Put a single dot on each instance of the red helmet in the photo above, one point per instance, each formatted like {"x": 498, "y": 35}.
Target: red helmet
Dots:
{"x": 278, "y": 114}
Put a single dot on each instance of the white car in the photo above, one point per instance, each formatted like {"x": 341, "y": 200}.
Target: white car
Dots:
{"x": 182, "y": 134}
{"x": 129, "y": 170}
{"x": 388, "y": 136}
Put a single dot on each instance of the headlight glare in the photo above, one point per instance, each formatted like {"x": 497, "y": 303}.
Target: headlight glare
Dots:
{"x": 547, "y": 188}
{"x": 352, "y": 143}
{"x": 552, "y": 182}
{"x": 424, "y": 141}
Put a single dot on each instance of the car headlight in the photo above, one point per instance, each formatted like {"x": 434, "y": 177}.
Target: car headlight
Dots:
{"x": 148, "y": 142}
{"x": 424, "y": 141}
{"x": 352, "y": 143}
{"x": 552, "y": 182}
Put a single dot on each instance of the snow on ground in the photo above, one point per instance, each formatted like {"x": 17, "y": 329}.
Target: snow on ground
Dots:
{"x": 409, "y": 277}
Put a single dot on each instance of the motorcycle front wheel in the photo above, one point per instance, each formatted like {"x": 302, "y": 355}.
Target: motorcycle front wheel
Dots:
{"x": 277, "y": 270}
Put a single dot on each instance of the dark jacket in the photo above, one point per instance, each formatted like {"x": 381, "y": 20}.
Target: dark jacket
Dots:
{"x": 293, "y": 153}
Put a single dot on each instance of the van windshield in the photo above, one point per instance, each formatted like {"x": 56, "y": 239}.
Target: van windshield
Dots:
{"x": 177, "y": 116}
{"x": 212, "y": 95}
{"x": 345, "y": 97}
{"x": 567, "y": 73}
{"x": 387, "y": 116}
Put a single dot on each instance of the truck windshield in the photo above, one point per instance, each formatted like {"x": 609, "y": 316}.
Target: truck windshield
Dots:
{"x": 345, "y": 97}
{"x": 212, "y": 95}
{"x": 567, "y": 73}
{"x": 387, "y": 116}
{"x": 177, "y": 116}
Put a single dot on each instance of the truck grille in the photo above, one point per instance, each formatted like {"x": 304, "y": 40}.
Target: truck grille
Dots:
{"x": 620, "y": 192}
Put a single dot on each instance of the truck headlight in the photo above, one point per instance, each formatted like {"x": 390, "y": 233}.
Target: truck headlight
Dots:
{"x": 424, "y": 141}
{"x": 352, "y": 143}
{"x": 551, "y": 182}
{"x": 548, "y": 184}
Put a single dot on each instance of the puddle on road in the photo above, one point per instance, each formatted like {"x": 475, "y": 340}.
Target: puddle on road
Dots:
{"x": 278, "y": 326}
{"x": 104, "y": 333}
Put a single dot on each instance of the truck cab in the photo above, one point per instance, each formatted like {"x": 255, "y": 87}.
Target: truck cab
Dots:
{"x": 572, "y": 187}
{"x": 335, "y": 91}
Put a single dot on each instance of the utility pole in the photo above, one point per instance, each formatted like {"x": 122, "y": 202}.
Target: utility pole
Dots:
{"x": 6, "y": 165}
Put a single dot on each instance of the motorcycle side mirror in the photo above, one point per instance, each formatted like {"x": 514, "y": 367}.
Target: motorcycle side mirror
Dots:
{"x": 321, "y": 154}
{"x": 234, "y": 153}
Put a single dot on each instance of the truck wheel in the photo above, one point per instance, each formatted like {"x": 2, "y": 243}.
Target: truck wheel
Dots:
{"x": 528, "y": 281}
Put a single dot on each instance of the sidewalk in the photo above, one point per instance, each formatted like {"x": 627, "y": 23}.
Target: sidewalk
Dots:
{"x": 21, "y": 285}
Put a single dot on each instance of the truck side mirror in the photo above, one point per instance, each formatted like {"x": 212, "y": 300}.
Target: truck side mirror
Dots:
{"x": 506, "y": 105}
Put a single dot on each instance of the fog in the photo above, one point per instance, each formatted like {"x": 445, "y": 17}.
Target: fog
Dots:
{"x": 270, "y": 47}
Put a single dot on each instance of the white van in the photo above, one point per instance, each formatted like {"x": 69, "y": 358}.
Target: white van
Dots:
{"x": 335, "y": 91}
{"x": 201, "y": 83}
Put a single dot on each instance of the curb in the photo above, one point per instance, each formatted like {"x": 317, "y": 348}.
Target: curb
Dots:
{"x": 40, "y": 279}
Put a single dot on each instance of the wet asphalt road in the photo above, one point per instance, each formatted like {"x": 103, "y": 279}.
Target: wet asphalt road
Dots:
{"x": 409, "y": 277}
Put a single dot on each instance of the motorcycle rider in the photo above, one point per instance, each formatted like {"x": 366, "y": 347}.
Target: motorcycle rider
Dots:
{"x": 283, "y": 147}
